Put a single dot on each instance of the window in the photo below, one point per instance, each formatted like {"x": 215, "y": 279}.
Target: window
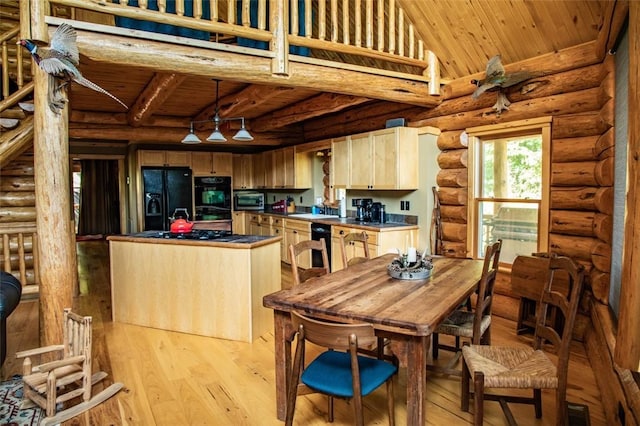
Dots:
{"x": 509, "y": 188}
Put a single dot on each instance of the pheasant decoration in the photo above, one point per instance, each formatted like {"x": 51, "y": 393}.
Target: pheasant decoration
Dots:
{"x": 61, "y": 60}
{"x": 497, "y": 80}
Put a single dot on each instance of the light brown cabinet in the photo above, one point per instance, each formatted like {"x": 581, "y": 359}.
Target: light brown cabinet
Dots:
{"x": 294, "y": 232}
{"x": 290, "y": 169}
{"x": 242, "y": 171}
{"x": 384, "y": 159}
{"x": 212, "y": 163}
{"x": 380, "y": 242}
{"x": 260, "y": 167}
{"x": 156, "y": 158}
{"x": 238, "y": 224}
{"x": 340, "y": 163}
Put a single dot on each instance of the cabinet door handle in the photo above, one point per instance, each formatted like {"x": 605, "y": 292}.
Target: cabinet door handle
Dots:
{"x": 341, "y": 232}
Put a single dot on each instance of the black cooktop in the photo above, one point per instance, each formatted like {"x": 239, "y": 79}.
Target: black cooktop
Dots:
{"x": 203, "y": 234}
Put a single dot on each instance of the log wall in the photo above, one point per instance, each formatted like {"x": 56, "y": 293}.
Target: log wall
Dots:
{"x": 18, "y": 235}
{"x": 580, "y": 102}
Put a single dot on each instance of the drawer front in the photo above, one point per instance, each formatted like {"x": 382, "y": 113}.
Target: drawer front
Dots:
{"x": 298, "y": 225}
{"x": 265, "y": 220}
{"x": 336, "y": 231}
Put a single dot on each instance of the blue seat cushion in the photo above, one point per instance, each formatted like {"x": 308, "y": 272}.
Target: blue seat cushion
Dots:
{"x": 330, "y": 373}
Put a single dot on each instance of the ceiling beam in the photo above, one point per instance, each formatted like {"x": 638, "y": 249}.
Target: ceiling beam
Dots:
{"x": 168, "y": 135}
{"x": 256, "y": 70}
{"x": 326, "y": 103}
{"x": 159, "y": 89}
{"x": 233, "y": 104}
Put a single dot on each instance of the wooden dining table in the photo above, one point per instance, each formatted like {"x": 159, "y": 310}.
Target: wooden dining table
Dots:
{"x": 405, "y": 311}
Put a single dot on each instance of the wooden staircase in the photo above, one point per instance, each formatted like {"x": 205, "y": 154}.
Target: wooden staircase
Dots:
{"x": 16, "y": 109}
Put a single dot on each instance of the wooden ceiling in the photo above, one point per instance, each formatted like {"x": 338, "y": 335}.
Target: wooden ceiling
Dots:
{"x": 464, "y": 34}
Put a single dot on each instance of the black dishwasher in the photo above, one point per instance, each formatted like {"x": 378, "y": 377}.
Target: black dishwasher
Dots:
{"x": 320, "y": 230}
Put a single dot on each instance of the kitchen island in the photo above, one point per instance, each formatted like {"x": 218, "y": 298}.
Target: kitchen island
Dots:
{"x": 207, "y": 287}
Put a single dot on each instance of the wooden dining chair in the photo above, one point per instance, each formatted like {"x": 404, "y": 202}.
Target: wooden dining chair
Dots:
{"x": 526, "y": 367}
{"x": 356, "y": 240}
{"x": 476, "y": 324}
{"x": 300, "y": 275}
{"x": 63, "y": 387}
{"x": 338, "y": 372}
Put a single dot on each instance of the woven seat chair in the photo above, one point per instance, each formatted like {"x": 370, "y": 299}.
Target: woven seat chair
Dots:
{"x": 474, "y": 325}
{"x": 526, "y": 367}
{"x": 338, "y": 372}
{"x": 300, "y": 275}
{"x": 350, "y": 240}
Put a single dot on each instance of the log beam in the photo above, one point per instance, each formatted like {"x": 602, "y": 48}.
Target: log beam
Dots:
{"x": 563, "y": 60}
{"x": 221, "y": 64}
{"x": 168, "y": 135}
{"x": 627, "y": 352}
{"x": 326, "y": 103}
{"x": 159, "y": 89}
{"x": 57, "y": 261}
{"x": 250, "y": 97}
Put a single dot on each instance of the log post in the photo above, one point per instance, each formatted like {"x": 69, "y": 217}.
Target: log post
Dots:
{"x": 279, "y": 20}
{"x": 627, "y": 353}
{"x": 57, "y": 260}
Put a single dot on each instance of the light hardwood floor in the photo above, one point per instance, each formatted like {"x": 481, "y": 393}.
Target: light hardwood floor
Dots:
{"x": 179, "y": 379}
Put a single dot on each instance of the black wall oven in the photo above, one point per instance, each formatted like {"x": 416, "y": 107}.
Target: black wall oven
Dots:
{"x": 212, "y": 197}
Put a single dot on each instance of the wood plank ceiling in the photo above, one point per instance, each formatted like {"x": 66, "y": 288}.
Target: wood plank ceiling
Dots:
{"x": 464, "y": 34}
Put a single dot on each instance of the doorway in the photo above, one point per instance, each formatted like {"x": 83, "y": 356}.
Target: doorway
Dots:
{"x": 97, "y": 197}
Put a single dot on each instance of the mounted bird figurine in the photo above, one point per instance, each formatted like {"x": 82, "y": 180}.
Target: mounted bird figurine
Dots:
{"x": 60, "y": 60}
{"x": 496, "y": 80}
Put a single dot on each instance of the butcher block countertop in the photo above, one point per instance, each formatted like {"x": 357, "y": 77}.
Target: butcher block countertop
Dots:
{"x": 230, "y": 241}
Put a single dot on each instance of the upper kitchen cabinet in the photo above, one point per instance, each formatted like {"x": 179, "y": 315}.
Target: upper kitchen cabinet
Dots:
{"x": 242, "y": 171}
{"x": 212, "y": 164}
{"x": 291, "y": 169}
{"x": 384, "y": 159}
{"x": 260, "y": 167}
{"x": 340, "y": 160}
{"x": 149, "y": 158}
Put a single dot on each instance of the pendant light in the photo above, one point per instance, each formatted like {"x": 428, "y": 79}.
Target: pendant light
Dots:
{"x": 242, "y": 135}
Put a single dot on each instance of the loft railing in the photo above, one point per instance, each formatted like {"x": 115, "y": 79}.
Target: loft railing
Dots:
{"x": 369, "y": 33}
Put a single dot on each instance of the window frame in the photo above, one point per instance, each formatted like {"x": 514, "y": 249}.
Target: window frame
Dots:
{"x": 475, "y": 136}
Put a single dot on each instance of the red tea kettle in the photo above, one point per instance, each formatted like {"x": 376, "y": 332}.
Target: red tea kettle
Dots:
{"x": 181, "y": 224}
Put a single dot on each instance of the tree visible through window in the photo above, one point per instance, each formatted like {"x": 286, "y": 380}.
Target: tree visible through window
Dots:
{"x": 510, "y": 191}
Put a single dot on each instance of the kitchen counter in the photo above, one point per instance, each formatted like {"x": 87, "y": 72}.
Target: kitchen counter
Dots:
{"x": 230, "y": 241}
{"x": 349, "y": 221}
{"x": 207, "y": 287}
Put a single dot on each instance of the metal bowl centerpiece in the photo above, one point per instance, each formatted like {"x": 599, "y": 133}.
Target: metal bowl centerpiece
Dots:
{"x": 403, "y": 269}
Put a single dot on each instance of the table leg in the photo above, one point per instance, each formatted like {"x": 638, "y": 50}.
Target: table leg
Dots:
{"x": 281, "y": 334}
{"x": 417, "y": 349}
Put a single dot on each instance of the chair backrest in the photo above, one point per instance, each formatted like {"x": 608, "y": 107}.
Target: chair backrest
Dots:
{"x": 485, "y": 287}
{"x": 567, "y": 304}
{"x": 333, "y": 335}
{"x": 77, "y": 334}
{"x": 351, "y": 239}
{"x": 300, "y": 275}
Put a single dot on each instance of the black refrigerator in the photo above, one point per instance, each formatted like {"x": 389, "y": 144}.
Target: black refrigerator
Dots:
{"x": 165, "y": 190}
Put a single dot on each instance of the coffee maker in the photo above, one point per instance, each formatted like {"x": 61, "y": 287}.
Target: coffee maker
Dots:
{"x": 378, "y": 213}
{"x": 363, "y": 209}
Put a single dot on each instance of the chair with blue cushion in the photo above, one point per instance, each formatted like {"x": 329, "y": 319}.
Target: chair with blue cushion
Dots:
{"x": 338, "y": 372}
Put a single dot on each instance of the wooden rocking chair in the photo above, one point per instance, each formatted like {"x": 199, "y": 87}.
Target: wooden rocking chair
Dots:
{"x": 63, "y": 388}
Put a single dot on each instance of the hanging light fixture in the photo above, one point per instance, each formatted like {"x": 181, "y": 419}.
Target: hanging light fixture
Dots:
{"x": 217, "y": 136}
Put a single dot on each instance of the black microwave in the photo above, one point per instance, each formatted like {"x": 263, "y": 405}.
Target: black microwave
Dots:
{"x": 248, "y": 201}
